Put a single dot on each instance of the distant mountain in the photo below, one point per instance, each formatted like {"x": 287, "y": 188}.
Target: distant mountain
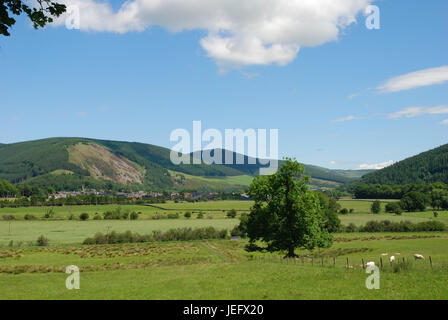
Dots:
{"x": 69, "y": 163}
{"x": 429, "y": 166}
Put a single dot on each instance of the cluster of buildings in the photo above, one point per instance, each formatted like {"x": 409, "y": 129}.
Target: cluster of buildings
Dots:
{"x": 144, "y": 195}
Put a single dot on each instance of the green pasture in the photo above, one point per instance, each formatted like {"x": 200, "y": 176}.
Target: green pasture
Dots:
{"x": 223, "y": 270}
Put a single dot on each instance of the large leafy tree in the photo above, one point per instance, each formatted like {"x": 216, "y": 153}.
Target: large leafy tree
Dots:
{"x": 39, "y": 16}
{"x": 286, "y": 214}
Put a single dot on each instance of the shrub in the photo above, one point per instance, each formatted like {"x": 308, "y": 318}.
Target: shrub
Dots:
{"x": 84, "y": 216}
{"x": 394, "y": 207}
{"x": 42, "y": 241}
{"x": 376, "y": 207}
{"x": 8, "y": 217}
{"x": 351, "y": 228}
{"x": 71, "y": 216}
{"x": 134, "y": 215}
{"x": 402, "y": 226}
{"x": 181, "y": 234}
{"x": 200, "y": 215}
{"x": 97, "y": 217}
{"x": 49, "y": 214}
{"x": 352, "y": 210}
{"x": 29, "y": 217}
{"x": 231, "y": 214}
{"x": 436, "y": 214}
{"x": 187, "y": 215}
{"x": 343, "y": 211}
{"x": 173, "y": 215}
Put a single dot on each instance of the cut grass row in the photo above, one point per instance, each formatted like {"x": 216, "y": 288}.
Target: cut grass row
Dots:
{"x": 223, "y": 270}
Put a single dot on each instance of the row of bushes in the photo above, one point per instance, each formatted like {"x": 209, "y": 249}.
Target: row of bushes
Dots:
{"x": 402, "y": 226}
{"x": 179, "y": 234}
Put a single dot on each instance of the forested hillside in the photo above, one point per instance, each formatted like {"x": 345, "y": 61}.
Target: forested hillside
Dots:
{"x": 429, "y": 166}
{"x": 69, "y": 163}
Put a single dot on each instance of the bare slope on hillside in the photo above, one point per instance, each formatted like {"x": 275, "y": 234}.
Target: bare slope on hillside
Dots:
{"x": 102, "y": 163}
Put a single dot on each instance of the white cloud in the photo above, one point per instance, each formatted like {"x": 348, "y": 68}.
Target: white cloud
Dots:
{"x": 412, "y": 112}
{"x": 240, "y": 32}
{"x": 348, "y": 118}
{"x": 377, "y": 166}
{"x": 332, "y": 162}
{"x": 426, "y": 77}
{"x": 444, "y": 122}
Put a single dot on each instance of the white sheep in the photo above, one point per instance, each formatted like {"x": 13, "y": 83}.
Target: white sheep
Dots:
{"x": 419, "y": 257}
{"x": 385, "y": 254}
{"x": 370, "y": 264}
{"x": 392, "y": 259}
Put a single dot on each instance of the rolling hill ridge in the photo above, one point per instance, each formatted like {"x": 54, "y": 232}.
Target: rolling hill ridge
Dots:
{"x": 69, "y": 163}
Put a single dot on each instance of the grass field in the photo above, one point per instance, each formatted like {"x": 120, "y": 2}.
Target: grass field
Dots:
{"x": 223, "y": 270}
{"x": 211, "y": 269}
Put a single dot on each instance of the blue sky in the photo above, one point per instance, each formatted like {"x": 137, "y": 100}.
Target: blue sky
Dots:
{"x": 142, "y": 83}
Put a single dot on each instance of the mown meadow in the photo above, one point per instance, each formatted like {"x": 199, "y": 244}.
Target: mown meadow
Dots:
{"x": 212, "y": 269}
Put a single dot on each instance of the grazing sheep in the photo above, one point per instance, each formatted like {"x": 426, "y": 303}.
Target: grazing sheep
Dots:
{"x": 419, "y": 257}
{"x": 385, "y": 254}
{"x": 392, "y": 259}
{"x": 370, "y": 264}
{"x": 349, "y": 267}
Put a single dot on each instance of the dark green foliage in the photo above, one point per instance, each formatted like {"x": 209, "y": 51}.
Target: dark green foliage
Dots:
{"x": 376, "y": 207}
{"x": 97, "y": 217}
{"x": 200, "y": 215}
{"x": 344, "y": 211}
{"x": 7, "y": 217}
{"x": 394, "y": 207}
{"x": 414, "y": 201}
{"x": 430, "y": 166}
{"x": 231, "y": 214}
{"x": 180, "y": 234}
{"x": 7, "y": 189}
{"x": 187, "y": 215}
{"x": 29, "y": 217}
{"x": 84, "y": 216}
{"x": 134, "y": 215}
{"x": 42, "y": 241}
{"x": 286, "y": 214}
{"x": 402, "y": 226}
{"x": 39, "y": 16}
{"x": 29, "y": 163}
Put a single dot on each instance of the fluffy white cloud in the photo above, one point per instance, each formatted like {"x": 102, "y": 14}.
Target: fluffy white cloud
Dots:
{"x": 412, "y": 112}
{"x": 240, "y": 32}
{"x": 377, "y": 166}
{"x": 426, "y": 77}
{"x": 444, "y": 122}
{"x": 348, "y": 118}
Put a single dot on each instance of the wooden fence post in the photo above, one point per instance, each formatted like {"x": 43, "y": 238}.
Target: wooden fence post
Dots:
{"x": 347, "y": 263}
{"x": 334, "y": 261}
{"x": 381, "y": 262}
{"x": 430, "y": 261}
{"x": 363, "y": 263}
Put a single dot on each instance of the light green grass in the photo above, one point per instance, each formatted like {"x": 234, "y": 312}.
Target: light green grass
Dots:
{"x": 223, "y": 270}
{"x": 65, "y": 231}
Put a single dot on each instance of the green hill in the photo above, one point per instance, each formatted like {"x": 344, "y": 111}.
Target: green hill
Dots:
{"x": 429, "y": 166}
{"x": 69, "y": 163}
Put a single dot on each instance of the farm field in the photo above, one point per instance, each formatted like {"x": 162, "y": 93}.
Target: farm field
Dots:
{"x": 223, "y": 270}
{"x": 218, "y": 269}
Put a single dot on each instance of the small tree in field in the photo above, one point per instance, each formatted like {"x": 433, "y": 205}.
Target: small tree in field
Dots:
{"x": 286, "y": 214}
{"x": 376, "y": 207}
